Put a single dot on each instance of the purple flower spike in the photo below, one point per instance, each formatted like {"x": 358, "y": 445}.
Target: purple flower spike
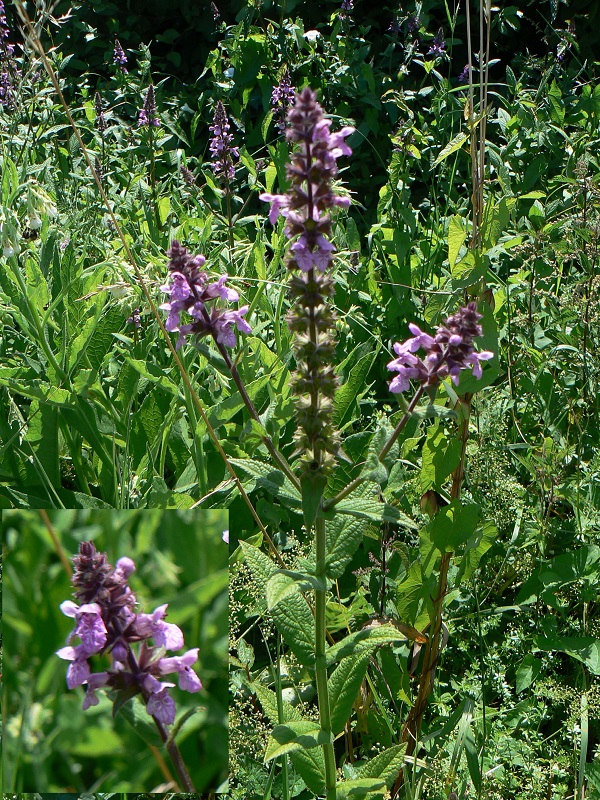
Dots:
{"x": 106, "y": 623}
{"x": 190, "y": 293}
{"x": 447, "y": 353}
{"x": 147, "y": 116}
{"x": 119, "y": 57}
{"x": 282, "y": 98}
{"x": 438, "y": 45}
{"x": 220, "y": 146}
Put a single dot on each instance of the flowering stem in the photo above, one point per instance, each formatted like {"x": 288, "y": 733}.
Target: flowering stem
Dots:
{"x": 321, "y": 661}
{"x": 175, "y": 756}
{"x": 333, "y": 501}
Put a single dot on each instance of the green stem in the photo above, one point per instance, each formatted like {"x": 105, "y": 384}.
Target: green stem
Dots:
{"x": 321, "y": 662}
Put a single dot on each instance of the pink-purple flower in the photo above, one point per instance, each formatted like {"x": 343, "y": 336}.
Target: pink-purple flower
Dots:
{"x": 190, "y": 292}
{"x": 448, "y": 352}
{"x": 108, "y": 626}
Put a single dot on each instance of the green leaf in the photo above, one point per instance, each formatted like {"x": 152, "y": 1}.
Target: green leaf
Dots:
{"x": 451, "y": 147}
{"x": 357, "y": 505}
{"x": 456, "y": 238}
{"x": 582, "y": 648}
{"x": 268, "y": 701}
{"x": 440, "y": 458}
{"x": 266, "y": 477}
{"x": 344, "y": 685}
{"x": 358, "y": 787}
{"x": 364, "y": 641}
{"x": 312, "y": 487}
{"x": 154, "y": 374}
{"x": 527, "y": 672}
{"x": 310, "y": 765}
{"x": 353, "y": 389}
{"x": 484, "y": 537}
{"x": 285, "y": 583}
{"x": 291, "y": 615}
{"x": 297, "y": 735}
{"x": 385, "y": 765}
{"x": 453, "y": 525}
{"x": 343, "y": 537}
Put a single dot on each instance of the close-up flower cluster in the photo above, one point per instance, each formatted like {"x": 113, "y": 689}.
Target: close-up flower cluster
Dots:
{"x": 190, "y": 291}
{"x": 447, "y": 353}
{"x": 107, "y": 624}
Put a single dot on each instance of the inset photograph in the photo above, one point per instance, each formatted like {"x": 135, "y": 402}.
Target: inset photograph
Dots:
{"x": 115, "y": 657}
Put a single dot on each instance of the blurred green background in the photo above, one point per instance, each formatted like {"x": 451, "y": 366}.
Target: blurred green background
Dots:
{"x": 49, "y": 743}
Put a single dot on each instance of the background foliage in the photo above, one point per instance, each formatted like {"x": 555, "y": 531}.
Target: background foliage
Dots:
{"x": 93, "y": 412}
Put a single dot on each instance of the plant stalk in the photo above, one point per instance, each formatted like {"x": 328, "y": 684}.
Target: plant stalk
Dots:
{"x": 321, "y": 662}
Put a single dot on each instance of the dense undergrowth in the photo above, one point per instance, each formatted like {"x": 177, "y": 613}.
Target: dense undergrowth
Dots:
{"x": 96, "y": 413}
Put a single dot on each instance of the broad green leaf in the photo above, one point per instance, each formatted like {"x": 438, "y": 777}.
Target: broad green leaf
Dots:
{"x": 457, "y": 235}
{"x": 286, "y": 583}
{"x": 451, "y": 147}
{"x": 374, "y": 470}
{"x": 296, "y": 735}
{"x": 268, "y": 701}
{"x": 344, "y": 685}
{"x": 42, "y": 435}
{"x": 583, "y": 648}
{"x": 453, "y": 525}
{"x": 154, "y": 374}
{"x": 358, "y": 787}
{"x": 527, "y": 672}
{"x": 484, "y": 537}
{"x": 291, "y": 615}
{"x": 267, "y": 477}
{"x": 310, "y": 765}
{"x": 352, "y": 390}
{"x": 371, "y": 509}
{"x": 385, "y": 765}
{"x": 364, "y": 641}
{"x": 440, "y": 457}
{"x": 343, "y": 537}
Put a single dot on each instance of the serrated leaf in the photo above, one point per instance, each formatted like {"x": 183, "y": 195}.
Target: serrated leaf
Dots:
{"x": 385, "y": 765}
{"x": 273, "y": 480}
{"x": 356, "y": 505}
{"x": 343, "y": 537}
{"x": 268, "y": 701}
{"x": 344, "y": 685}
{"x": 286, "y": 583}
{"x": 456, "y": 237}
{"x": 291, "y": 615}
{"x": 352, "y": 390}
{"x": 310, "y": 765}
{"x": 296, "y": 735}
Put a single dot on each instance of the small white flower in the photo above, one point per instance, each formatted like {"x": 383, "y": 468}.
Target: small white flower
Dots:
{"x": 8, "y": 251}
{"x": 35, "y": 223}
{"x": 312, "y": 36}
